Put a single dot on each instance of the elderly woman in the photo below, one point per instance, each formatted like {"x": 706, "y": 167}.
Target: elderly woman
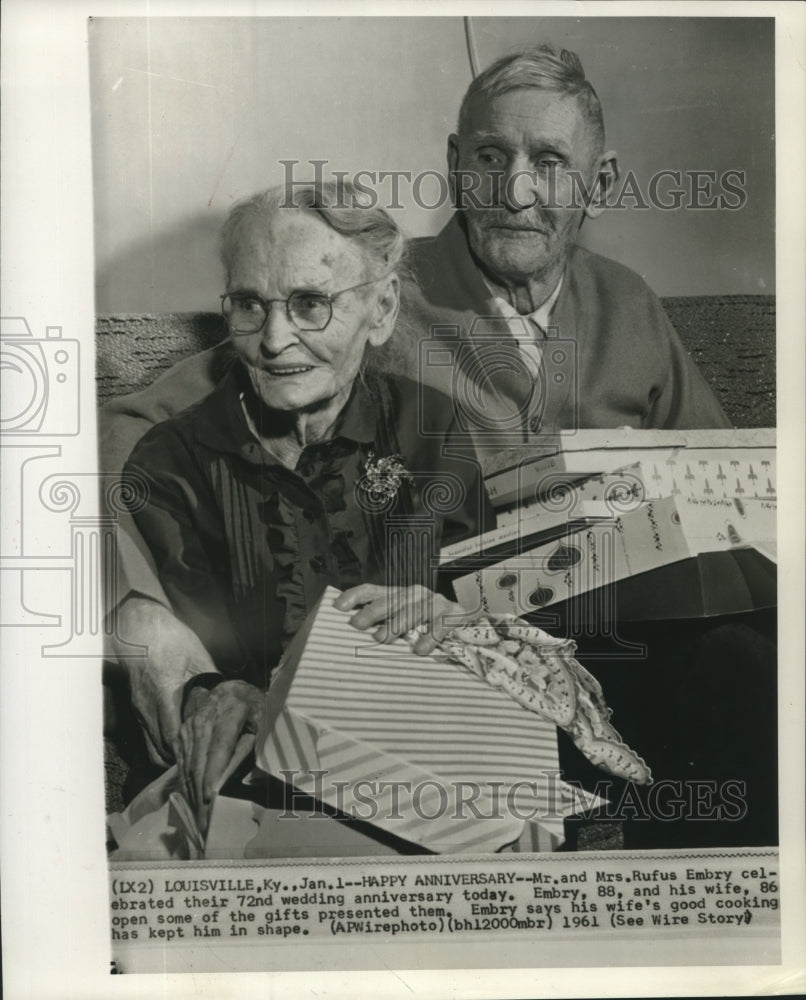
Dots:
{"x": 281, "y": 481}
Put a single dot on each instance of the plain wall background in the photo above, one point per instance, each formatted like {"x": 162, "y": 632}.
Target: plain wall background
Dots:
{"x": 189, "y": 115}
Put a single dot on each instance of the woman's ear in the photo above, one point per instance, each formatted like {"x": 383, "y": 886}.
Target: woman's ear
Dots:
{"x": 386, "y": 308}
{"x": 606, "y": 175}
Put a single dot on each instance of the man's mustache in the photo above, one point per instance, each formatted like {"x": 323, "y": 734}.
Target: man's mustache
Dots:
{"x": 525, "y": 220}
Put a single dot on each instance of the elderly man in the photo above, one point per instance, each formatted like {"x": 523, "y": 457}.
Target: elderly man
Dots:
{"x": 494, "y": 294}
{"x": 528, "y": 165}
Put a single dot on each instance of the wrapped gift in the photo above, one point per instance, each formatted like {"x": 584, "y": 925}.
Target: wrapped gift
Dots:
{"x": 715, "y": 463}
{"x": 416, "y": 746}
{"x": 648, "y": 536}
{"x": 626, "y": 524}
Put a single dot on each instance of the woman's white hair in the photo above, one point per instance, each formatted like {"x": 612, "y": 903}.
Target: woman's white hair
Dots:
{"x": 338, "y": 205}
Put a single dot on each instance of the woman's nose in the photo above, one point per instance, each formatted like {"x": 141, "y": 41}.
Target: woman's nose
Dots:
{"x": 279, "y": 330}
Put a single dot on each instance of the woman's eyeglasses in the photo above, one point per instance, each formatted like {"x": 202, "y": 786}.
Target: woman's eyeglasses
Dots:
{"x": 247, "y": 312}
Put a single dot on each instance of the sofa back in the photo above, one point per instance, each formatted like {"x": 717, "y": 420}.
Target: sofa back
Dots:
{"x": 730, "y": 337}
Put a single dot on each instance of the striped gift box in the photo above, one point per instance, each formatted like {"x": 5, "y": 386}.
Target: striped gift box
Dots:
{"x": 419, "y": 747}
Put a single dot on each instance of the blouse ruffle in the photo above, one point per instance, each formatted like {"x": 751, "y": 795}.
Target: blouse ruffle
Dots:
{"x": 301, "y": 568}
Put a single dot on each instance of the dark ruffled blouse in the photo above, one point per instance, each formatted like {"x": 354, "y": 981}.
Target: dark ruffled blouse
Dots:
{"x": 245, "y": 546}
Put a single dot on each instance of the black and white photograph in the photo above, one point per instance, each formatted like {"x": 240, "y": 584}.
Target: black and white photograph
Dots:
{"x": 417, "y": 538}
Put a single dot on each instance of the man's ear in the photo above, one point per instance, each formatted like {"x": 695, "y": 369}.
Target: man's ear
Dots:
{"x": 387, "y": 306}
{"x": 605, "y": 176}
{"x": 453, "y": 163}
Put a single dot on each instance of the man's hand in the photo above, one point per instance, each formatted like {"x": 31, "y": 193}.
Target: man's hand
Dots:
{"x": 397, "y": 610}
{"x": 173, "y": 654}
{"x": 217, "y": 734}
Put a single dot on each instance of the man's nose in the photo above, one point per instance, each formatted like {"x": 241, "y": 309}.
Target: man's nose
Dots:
{"x": 521, "y": 186}
{"x": 279, "y": 330}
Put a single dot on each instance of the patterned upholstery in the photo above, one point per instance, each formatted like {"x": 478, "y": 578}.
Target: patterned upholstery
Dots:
{"x": 731, "y": 337}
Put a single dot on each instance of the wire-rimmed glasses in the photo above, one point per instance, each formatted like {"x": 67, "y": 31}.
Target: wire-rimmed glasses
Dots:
{"x": 247, "y": 312}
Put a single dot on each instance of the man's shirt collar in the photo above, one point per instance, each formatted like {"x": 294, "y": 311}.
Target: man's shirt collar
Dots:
{"x": 541, "y": 316}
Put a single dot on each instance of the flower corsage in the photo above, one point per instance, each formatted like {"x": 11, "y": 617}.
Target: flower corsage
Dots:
{"x": 383, "y": 477}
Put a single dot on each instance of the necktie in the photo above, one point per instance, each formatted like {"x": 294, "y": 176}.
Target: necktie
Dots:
{"x": 523, "y": 382}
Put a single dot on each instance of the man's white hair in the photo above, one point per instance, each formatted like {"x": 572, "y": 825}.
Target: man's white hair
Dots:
{"x": 545, "y": 69}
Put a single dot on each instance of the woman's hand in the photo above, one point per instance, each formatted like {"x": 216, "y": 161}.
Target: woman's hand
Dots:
{"x": 217, "y": 734}
{"x": 173, "y": 654}
{"x": 397, "y": 610}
